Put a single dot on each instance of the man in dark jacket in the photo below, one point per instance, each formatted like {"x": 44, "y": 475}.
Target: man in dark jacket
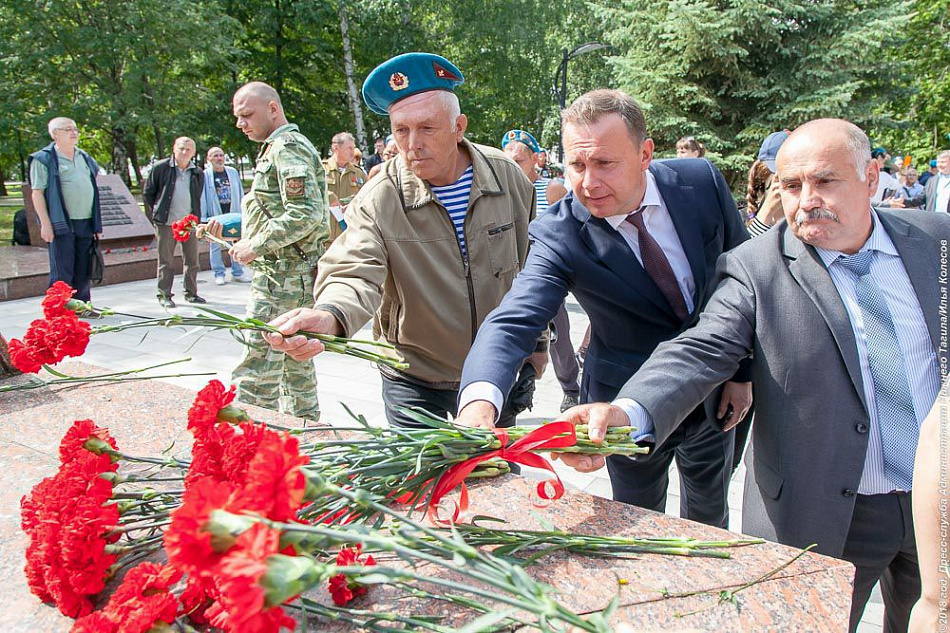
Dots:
{"x": 172, "y": 191}
{"x": 65, "y": 197}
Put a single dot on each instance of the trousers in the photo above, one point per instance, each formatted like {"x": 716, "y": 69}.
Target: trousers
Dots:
{"x": 268, "y": 378}
{"x": 166, "y": 262}
{"x": 69, "y": 258}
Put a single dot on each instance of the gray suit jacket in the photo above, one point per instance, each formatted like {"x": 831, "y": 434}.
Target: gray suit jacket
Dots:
{"x": 930, "y": 195}
{"x": 777, "y": 303}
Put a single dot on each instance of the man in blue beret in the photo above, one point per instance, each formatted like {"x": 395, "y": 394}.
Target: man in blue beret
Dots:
{"x": 521, "y": 147}
{"x": 432, "y": 243}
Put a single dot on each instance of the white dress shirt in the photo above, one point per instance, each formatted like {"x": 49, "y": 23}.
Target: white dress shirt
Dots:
{"x": 657, "y": 220}
{"x": 943, "y": 193}
{"x": 920, "y": 359}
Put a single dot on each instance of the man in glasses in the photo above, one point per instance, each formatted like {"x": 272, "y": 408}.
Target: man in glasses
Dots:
{"x": 63, "y": 179}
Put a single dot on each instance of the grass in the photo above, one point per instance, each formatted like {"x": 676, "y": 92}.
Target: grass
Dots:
{"x": 8, "y": 206}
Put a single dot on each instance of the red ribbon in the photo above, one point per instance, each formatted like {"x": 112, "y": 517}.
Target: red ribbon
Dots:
{"x": 553, "y": 435}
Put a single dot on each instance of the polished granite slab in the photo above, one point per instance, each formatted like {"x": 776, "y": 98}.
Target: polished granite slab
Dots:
{"x": 813, "y": 593}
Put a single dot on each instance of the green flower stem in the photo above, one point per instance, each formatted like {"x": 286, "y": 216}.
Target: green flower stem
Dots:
{"x": 369, "y": 620}
{"x": 216, "y": 320}
{"x": 118, "y": 376}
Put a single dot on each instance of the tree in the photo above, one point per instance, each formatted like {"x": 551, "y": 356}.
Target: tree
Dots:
{"x": 729, "y": 72}
{"x": 124, "y": 69}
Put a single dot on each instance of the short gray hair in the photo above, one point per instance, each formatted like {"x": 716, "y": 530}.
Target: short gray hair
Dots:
{"x": 944, "y": 154}
{"x": 860, "y": 147}
{"x": 54, "y": 123}
{"x": 589, "y": 108}
{"x": 342, "y": 137}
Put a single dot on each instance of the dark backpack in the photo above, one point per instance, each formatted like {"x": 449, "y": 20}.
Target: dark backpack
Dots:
{"x": 21, "y": 232}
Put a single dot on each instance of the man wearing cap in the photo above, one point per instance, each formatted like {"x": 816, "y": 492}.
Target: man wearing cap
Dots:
{"x": 285, "y": 226}
{"x": 636, "y": 242}
{"x": 930, "y": 173}
{"x": 344, "y": 176}
{"x": 432, "y": 243}
{"x": 770, "y": 205}
{"x": 521, "y": 147}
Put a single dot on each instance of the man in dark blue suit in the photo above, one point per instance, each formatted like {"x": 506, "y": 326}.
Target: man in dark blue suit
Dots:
{"x": 637, "y": 244}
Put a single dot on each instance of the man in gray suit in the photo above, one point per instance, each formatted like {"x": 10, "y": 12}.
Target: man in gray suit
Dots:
{"x": 937, "y": 191}
{"x": 839, "y": 308}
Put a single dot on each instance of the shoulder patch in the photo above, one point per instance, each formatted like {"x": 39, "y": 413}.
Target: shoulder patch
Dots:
{"x": 295, "y": 187}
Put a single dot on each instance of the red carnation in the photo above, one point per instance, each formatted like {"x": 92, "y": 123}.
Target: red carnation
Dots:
{"x": 78, "y": 434}
{"x": 70, "y": 336}
{"x": 241, "y": 606}
{"x": 23, "y": 357}
{"x": 187, "y": 544}
{"x": 47, "y": 342}
{"x": 341, "y": 588}
{"x": 140, "y": 602}
{"x": 274, "y": 485}
{"x": 203, "y": 413}
{"x": 181, "y": 230}
{"x": 57, "y": 296}
{"x": 198, "y": 596}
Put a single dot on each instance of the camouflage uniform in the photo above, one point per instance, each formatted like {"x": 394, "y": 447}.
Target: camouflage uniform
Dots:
{"x": 290, "y": 182}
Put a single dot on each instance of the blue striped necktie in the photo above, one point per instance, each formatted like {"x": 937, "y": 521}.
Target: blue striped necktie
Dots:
{"x": 892, "y": 397}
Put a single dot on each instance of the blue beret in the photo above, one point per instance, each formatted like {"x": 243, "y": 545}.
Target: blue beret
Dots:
{"x": 231, "y": 225}
{"x": 406, "y": 75}
{"x": 522, "y": 137}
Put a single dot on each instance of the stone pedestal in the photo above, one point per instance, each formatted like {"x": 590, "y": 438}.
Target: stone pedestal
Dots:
{"x": 656, "y": 592}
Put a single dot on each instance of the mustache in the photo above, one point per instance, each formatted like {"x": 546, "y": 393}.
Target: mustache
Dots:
{"x": 818, "y": 214}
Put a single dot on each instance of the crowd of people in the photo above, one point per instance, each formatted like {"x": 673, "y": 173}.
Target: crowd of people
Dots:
{"x": 826, "y": 322}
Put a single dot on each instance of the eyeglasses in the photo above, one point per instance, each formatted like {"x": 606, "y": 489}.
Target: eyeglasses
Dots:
{"x": 67, "y": 129}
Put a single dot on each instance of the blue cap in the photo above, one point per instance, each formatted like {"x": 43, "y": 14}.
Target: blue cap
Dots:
{"x": 406, "y": 75}
{"x": 770, "y": 146}
{"x": 878, "y": 151}
{"x": 522, "y": 137}
{"x": 933, "y": 163}
{"x": 230, "y": 225}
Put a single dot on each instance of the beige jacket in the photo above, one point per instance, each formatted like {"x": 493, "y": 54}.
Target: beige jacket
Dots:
{"x": 399, "y": 262}
{"x": 341, "y": 187}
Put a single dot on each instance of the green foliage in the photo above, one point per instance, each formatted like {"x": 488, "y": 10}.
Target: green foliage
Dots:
{"x": 137, "y": 73}
{"x": 729, "y": 72}
{"x": 916, "y": 120}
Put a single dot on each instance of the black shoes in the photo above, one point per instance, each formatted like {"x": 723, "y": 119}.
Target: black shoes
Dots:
{"x": 195, "y": 299}
{"x": 570, "y": 400}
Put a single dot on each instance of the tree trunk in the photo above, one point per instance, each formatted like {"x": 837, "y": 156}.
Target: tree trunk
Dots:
{"x": 156, "y": 128}
{"x": 6, "y": 366}
{"x": 130, "y": 147}
{"x": 23, "y": 161}
{"x": 351, "y": 92}
{"x": 120, "y": 163}
{"x": 3, "y": 184}
{"x": 279, "y": 50}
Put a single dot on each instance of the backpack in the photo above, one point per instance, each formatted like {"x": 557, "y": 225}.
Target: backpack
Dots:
{"x": 21, "y": 231}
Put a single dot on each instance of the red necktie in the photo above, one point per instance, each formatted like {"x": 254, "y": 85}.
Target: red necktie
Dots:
{"x": 658, "y": 266}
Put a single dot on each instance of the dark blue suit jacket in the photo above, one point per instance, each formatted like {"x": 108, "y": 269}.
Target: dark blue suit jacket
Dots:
{"x": 572, "y": 251}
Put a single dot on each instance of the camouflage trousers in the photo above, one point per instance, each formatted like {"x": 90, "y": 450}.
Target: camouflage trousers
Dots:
{"x": 268, "y": 378}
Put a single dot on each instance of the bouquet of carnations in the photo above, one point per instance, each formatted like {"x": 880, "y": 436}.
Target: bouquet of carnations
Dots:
{"x": 256, "y": 521}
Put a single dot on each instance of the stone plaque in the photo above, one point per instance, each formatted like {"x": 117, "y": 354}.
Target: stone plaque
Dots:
{"x": 123, "y": 223}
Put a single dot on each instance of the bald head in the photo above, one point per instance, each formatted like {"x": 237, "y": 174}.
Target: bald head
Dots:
{"x": 828, "y": 132}
{"x": 258, "y": 91}
{"x": 258, "y": 110}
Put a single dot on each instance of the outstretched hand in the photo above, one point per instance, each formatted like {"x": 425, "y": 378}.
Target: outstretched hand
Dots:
{"x": 597, "y": 416}
{"x": 299, "y": 347}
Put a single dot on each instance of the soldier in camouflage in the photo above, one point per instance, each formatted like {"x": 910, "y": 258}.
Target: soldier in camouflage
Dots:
{"x": 285, "y": 225}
